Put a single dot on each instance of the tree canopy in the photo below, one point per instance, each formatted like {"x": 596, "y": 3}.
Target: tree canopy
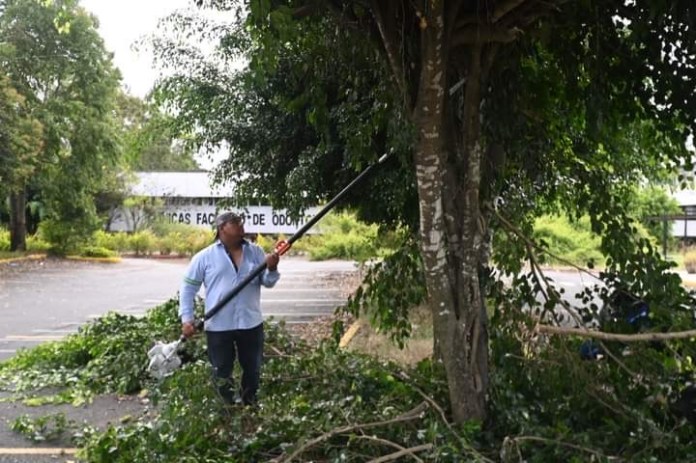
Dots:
{"x": 149, "y": 141}
{"x": 496, "y": 111}
{"x": 55, "y": 59}
{"x": 69, "y": 133}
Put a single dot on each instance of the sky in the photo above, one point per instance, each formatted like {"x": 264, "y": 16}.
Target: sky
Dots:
{"x": 123, "y": 22}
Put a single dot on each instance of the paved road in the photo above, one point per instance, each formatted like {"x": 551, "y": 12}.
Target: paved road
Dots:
{"x": 43, "y": 301}
{"x": 46, "y": 300}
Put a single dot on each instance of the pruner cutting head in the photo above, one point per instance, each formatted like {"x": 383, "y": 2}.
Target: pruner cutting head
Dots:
{"x": 163, "y": 359}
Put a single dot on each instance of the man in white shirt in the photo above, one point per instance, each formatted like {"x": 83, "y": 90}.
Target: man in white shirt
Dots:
{"x": 236, "y": 331}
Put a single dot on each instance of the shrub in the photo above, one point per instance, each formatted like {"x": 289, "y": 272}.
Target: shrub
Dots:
{"x": 121, "y": 241}
{"x": 197, "y": 239}
{"x": 179, "y": 238}
{"x": 4, "y": 240}
{"x": 169, "y": 243}
{"x": 96, "y": 251}
{"x": 690, "y": 261}
{"x": 104, "y": 239}
{"x": 265, "y": 241}
{"x": 570, "y": 241}
{"x": 350, "y": 246}
{"x": 142, "y": 242}
{"x": 63, "y": 238}
{"x": 36, "y": 244}
{"x": 343, "y": 236}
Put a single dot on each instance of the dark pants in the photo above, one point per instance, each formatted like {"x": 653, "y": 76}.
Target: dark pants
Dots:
{"x": 247, "y": 347}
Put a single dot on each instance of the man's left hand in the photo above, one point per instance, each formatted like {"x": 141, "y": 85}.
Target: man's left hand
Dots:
{"x": 272, "y": 261}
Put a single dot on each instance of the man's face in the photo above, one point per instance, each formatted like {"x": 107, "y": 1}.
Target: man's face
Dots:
{"x": 232, "y": 232}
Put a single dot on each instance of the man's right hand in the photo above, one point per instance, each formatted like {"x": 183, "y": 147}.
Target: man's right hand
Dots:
{"x": 188, "y": 329}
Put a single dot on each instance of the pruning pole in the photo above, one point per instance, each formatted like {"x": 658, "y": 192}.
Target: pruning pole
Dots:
{"x": 282, "y": 247}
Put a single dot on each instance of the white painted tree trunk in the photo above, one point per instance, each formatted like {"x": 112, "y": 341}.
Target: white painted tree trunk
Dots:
{"x": 448, "y": 177}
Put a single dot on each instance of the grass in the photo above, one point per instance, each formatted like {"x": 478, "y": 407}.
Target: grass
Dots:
{"x": 417, "y": 348}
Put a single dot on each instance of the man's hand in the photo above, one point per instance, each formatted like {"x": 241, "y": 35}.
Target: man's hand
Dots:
{"x": 272, "y": 261}
{"x": 187, "y": 329}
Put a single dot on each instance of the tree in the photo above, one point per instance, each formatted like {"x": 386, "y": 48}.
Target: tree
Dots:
{"x": 149, "y": 141}
{"x": 56, "y": 61}
{"x": 20, "y": 146}
{"x": 522, "y": 104}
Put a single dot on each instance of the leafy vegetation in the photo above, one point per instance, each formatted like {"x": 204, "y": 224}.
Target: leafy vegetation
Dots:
{"x": 328, "y": 404}
{"x": 57, "y": 64}
{"x": 44, "y": 428}
{"x": 494, "y": 115}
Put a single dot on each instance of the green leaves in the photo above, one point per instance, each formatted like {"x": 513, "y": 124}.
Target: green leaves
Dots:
{"x": 391, "y": 288}
{"x": 105, "y": 356}
{"x": 56, "y": 61}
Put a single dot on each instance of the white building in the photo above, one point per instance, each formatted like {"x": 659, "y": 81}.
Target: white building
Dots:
{"x": 685, "y": 228}
{"x": 190, "y": 198}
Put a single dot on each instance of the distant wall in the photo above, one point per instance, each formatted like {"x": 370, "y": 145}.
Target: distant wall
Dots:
{"x": 202, "y": 211}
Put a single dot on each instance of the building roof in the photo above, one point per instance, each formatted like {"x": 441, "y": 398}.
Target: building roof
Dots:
{"x": 179, "y": 184}
{"x": 685, "y": 197}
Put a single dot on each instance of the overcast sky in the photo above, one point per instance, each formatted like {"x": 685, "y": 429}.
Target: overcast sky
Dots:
{"x": 123, "y": 22}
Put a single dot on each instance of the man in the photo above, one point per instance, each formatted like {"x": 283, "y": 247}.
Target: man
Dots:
{"x": 236, "y": 331}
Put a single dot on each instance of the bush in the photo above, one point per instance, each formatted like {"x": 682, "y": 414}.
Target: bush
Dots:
{"x": 350, "y": 246}
{"x": 179, "y": 238}
{"x": 343, "y": 236}
{"x": 36, "y": 244}
{"x": 62, "y": 238}
{"x": 265, "y": 241}
{"x": 142, "y": 242}
{"x": 104, "y": 239}
{"x": 570, "y": 241}
{"x": 197, "y": 239}
{"x": 169, "y": 243}
{"x": 96, "y": 251}
{"x": 4, "y": 240}
{"x": 690, "y": 261}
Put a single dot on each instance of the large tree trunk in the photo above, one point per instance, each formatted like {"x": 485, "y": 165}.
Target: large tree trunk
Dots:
{"x": 18, "y": 220}
{"x": 448, "y": 176}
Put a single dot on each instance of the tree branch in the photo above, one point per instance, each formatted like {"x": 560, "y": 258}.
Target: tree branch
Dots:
{"x": 641, "y": 337}
{"x": 430, "y": 401}
{"x": 408, "y": 416}
{"x": 387, "y": 443}
{"x": 544, "y": 440}
{"x": 401, "y": 453}
{"x": 504, "y": 8}
{"x": 393, "y": 55}
{"x": 485, "y": 34}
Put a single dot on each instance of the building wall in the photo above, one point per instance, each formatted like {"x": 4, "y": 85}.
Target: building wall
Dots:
{"x": 201, "y": 212}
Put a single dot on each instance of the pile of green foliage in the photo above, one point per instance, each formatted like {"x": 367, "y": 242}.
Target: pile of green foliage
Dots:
{"x": 326, "y": 404}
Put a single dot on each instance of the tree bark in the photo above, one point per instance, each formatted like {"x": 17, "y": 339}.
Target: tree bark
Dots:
{"x": 448, "y": 179}
{"x": 18, "y": 220}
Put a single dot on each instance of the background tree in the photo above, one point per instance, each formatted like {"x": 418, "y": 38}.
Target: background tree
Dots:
{"x": 526, "y": 105}
{"x": 20, "y": 146}
{"x": 149, "y": 140}
{"x": 56, "y": 61}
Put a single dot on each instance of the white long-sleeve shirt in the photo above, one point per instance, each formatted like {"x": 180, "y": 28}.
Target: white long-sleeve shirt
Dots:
{"x": 213, "y": 269}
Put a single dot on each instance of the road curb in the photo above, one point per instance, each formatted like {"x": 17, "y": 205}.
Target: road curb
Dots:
{"x": 38, "y": 451}
{"x": 350, "y": 333}
{"x": 101, "y": 260}
{"x": 19, "y": 259}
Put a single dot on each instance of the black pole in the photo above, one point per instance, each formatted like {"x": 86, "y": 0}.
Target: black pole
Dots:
{"x": 298, "y": 234}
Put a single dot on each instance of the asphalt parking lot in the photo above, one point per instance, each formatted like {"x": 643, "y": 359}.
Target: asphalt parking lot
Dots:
{"x": 44, "y": 300}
